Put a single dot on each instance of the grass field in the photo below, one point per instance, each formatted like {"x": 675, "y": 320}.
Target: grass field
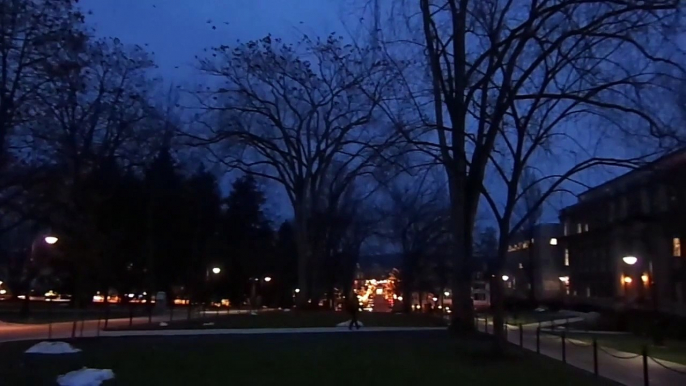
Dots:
{"x": 672, "y": 350}
{"x": 294, "y": 319}
{"x": 529, "y": 316}
{"x": 348, "y": 358}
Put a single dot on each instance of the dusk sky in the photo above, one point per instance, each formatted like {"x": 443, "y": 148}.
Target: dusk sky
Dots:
{"x": 177, "y": 30}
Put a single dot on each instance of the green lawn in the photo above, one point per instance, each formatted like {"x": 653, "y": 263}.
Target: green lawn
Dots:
{"x": 529, "y": 316}
{"x": 349, "y": 358}
{"x": 672, "y": 350}
{"x": 294, "y": 319}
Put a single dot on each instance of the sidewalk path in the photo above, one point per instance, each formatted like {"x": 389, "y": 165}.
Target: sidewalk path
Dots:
{"x": 262, "y": 331}
{"x": 63, "y": 330}
{"x": 579, "y": 354}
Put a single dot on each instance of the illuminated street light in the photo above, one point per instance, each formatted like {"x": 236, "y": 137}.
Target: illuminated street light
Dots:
{"x": 644, "y": 278}
{"x": 267, "y": 279}
{"x": 446, "y": 293}
{"x": 435, "y": 299}
{"x": 297, "y": 290}
{"x": 564, "y": 279}
{"x": 216, "y": 270}
{"x": 400, "y": 298}
{"x": 631, "y": 260}
{"x": 628, "y": 280}
{"x": 51, "y": 239}
{"x": 506, "y": 278}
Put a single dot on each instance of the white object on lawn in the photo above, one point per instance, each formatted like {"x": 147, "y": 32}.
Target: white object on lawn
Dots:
{"x": 85, "y": 377}
{"x": 208, "y": 324}
{"x": 163, "y": 324}
{"x": 347, "y": 323}
{"x": 286, "y": 310}
{"x": 52, "y": 348}
{"x": 253, "y": 313}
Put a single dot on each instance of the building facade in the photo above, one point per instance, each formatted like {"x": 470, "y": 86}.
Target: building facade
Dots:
{"x": 623, "y": 239}
{"x": 535, "y": 263}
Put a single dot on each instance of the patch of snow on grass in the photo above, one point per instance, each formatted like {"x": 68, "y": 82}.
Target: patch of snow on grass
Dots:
{"x": 52, "y": 348}
{"x": 85, "y": 377}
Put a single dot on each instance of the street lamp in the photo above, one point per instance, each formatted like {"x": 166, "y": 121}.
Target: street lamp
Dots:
{"x": 51, "y": 239}
{"x": 630, "y": 260}
{"x": 446, "y": 293}
{"x": 216, "y": 270}
{"x": 564, "y": 279}
{"x": 297, "y": 290}
{"x": 267, "y": 279}
{"x": 505, "y": 278}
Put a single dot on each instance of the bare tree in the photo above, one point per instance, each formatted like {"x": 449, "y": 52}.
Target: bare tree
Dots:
{"x": 502, "y": 71}
{"x": 289, "y": 113}
{"x": 530, "y": 210}
{"x": 418, "y": 222}
{"x": 89, "y": 124}
{"x": 34, "y": 35}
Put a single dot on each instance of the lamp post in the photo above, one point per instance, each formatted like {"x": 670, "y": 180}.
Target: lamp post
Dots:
{"x": 30, "y": 266}
{"x": 626, "y": 280}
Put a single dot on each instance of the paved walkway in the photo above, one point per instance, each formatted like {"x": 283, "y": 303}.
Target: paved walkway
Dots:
{"x": 628, "y": 370}
{"x": 262, "y": 331}
{"x": 63, "y": 330}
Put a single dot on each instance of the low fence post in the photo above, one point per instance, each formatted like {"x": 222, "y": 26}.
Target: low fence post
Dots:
{"x": 130, "y": 314}
{"x": 644, "y": 351}
{"x": 486, "y": 324}
{"x": 107, "y": 314}
{"x": 538, "y": 340}
{"x": 595, "y": 356}
{"x": 50, "y": 320}
{"x": 83, "y": 321}
{"x": 521, "y": 335}
{"x": 564, "y": 349}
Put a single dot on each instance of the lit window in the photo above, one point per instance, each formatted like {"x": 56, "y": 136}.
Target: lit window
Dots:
{"x": 566, "y": 257}
{"x": 676, "y": 246}
{"x": 521, "y": 266}
{"x": 578, "y": 228}
{"x": 553, "y": 241}
{"x": 585, "y": 227}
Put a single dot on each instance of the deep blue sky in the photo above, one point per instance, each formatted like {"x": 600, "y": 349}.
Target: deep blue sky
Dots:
{"x": 177, "y": 30}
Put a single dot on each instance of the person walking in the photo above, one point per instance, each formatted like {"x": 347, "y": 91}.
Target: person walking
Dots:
{"x": 353, "y": 310}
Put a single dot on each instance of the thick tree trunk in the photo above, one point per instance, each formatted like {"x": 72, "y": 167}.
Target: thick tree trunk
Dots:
{"x": 498, "y": 300}
{"x": 463, "y": 305}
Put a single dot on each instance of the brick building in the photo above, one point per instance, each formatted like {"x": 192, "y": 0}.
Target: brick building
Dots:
{"x": 641, "y": 215}
{"x": 535, "y": 258}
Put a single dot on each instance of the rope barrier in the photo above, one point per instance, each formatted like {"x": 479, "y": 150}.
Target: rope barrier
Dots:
{"x": 667, "y": 367}
{"x": 617, "y": 356}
